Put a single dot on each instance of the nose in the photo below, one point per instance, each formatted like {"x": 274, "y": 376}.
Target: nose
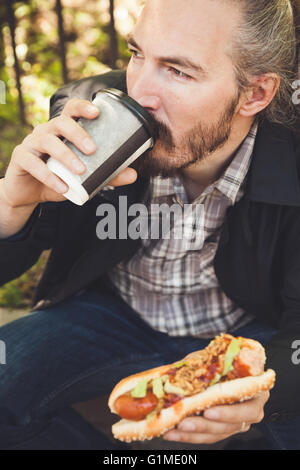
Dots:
{"x": 150, "y": 102}
{"x": 143, "y": 88}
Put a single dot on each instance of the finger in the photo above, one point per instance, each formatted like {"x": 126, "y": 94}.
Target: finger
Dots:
{"x": 250, "y": 411}
{"x": 201, "y": 425}
{"x": 66, "y": 127}
{"x": 127, "y": 176}
{"x": 194, "y": 438}
{"x": 80, "y": 108}
{"x": 39, "y": 170}
{"x": 51, "y": 145}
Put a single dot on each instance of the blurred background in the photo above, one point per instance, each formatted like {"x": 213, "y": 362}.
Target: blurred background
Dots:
{"x": 43, "y": 45}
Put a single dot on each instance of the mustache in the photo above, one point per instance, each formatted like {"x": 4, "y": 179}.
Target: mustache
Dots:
{"x": 163, "y": 133}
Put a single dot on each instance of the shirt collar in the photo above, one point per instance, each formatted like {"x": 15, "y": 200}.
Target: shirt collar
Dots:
{"x": 234, "y": 176}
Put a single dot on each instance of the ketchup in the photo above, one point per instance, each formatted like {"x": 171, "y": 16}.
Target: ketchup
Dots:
{"x": 211, "y": 372}
{"x": 242, "y": 370}
{"x": 170, "y": 399}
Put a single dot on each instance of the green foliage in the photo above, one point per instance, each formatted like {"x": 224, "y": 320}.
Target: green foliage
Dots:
{"x": 19, "y": 293}
{"x": 88, "y": 52}
{"x": 11, "y": 295}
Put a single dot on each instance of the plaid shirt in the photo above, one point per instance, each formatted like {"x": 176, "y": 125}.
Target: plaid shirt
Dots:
{"x": 174, "y": 288}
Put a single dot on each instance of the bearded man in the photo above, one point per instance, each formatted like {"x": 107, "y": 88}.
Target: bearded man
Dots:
{"x": 217, "y": 78}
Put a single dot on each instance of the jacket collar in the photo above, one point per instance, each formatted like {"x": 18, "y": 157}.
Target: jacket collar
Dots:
{"x": 273, "y": 175}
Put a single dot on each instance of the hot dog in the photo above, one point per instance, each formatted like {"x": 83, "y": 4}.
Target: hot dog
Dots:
{"x": 228, "y": 370}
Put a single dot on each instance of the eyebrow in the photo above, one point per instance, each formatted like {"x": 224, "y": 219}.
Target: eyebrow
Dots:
{"x": 175, "y": 60}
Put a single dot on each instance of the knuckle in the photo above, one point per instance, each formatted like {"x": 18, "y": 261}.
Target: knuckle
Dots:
{"x": 58, "y": 122}
{"x": 71, "y": 104}
{"x": 64, "y": 154}
{"x": 29, "y": 168}
{"x": 47, "y": 140}
{"x": 26, "y": 141}
{"x": 17, "y": 150}
{"x": 201, "y": 424}
{"x": 39, "y": 129}
{"x": 205, "y": 427}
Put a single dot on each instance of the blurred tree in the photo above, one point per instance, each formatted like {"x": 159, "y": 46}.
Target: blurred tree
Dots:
{"x": 114, "y": 53}
{"x": 12, "y": 27}
{"x": 44, "y": 44}
{"x": 62, "y": 41}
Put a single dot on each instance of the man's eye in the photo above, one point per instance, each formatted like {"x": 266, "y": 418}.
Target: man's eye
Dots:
{"x": 179, "y": 74}
{"x": 133, "y": 52}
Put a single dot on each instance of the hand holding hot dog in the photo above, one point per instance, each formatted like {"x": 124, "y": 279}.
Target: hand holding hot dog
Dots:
{"x": 229, "y": 370}
{"x": 220, "y": 422}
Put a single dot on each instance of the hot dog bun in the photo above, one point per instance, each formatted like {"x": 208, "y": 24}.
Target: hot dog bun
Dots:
{"x": 228, "y": 392}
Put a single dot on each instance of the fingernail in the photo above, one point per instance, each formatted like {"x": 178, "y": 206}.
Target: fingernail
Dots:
{"x": 89, "y": 145}
{"x": 188, "y": 426}
{"x": 61, "y": 187}
{"x": 91, "y": 109}
{"x": 211, "y": 414}
{"x": 78, "y": 166}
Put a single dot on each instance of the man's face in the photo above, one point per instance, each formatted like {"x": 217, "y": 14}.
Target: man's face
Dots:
{"x": 180, "y": 72}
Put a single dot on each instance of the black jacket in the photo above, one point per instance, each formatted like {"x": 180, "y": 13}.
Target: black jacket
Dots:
{"x": 257, "y": 262}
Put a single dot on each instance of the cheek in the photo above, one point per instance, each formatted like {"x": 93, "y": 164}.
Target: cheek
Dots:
{"x": 181, "y": 110}
{"x": 211, "y": 102}
{"x": 129, "y": 78}
{"x": 203, "y": 106}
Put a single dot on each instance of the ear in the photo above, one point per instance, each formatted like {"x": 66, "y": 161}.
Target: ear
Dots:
{"x": 259, "y": 94}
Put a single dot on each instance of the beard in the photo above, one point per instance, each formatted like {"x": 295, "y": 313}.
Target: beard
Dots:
{"x": 166, "y": 159}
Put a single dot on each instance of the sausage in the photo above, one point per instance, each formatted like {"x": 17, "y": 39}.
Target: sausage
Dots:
{"x": 135, "y": 409}
{"x": 249, "y": 362}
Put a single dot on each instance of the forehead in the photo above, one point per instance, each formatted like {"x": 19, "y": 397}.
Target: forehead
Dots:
{"x": 201, "y": 29}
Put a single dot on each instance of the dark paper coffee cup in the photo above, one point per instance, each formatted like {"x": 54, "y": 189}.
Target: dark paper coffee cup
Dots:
{"x": 123, "y": 132}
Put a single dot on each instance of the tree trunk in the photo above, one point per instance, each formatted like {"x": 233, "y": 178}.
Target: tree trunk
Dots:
{"x": 62, "y": 42}
{"x": 12, "y": 27}
{"x": 114, "y": 52}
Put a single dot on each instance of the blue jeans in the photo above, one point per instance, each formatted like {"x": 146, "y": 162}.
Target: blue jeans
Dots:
{"x": 76, "y": 351}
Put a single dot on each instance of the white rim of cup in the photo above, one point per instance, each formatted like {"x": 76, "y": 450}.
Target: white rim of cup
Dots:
{"x": 76, "y": 192}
